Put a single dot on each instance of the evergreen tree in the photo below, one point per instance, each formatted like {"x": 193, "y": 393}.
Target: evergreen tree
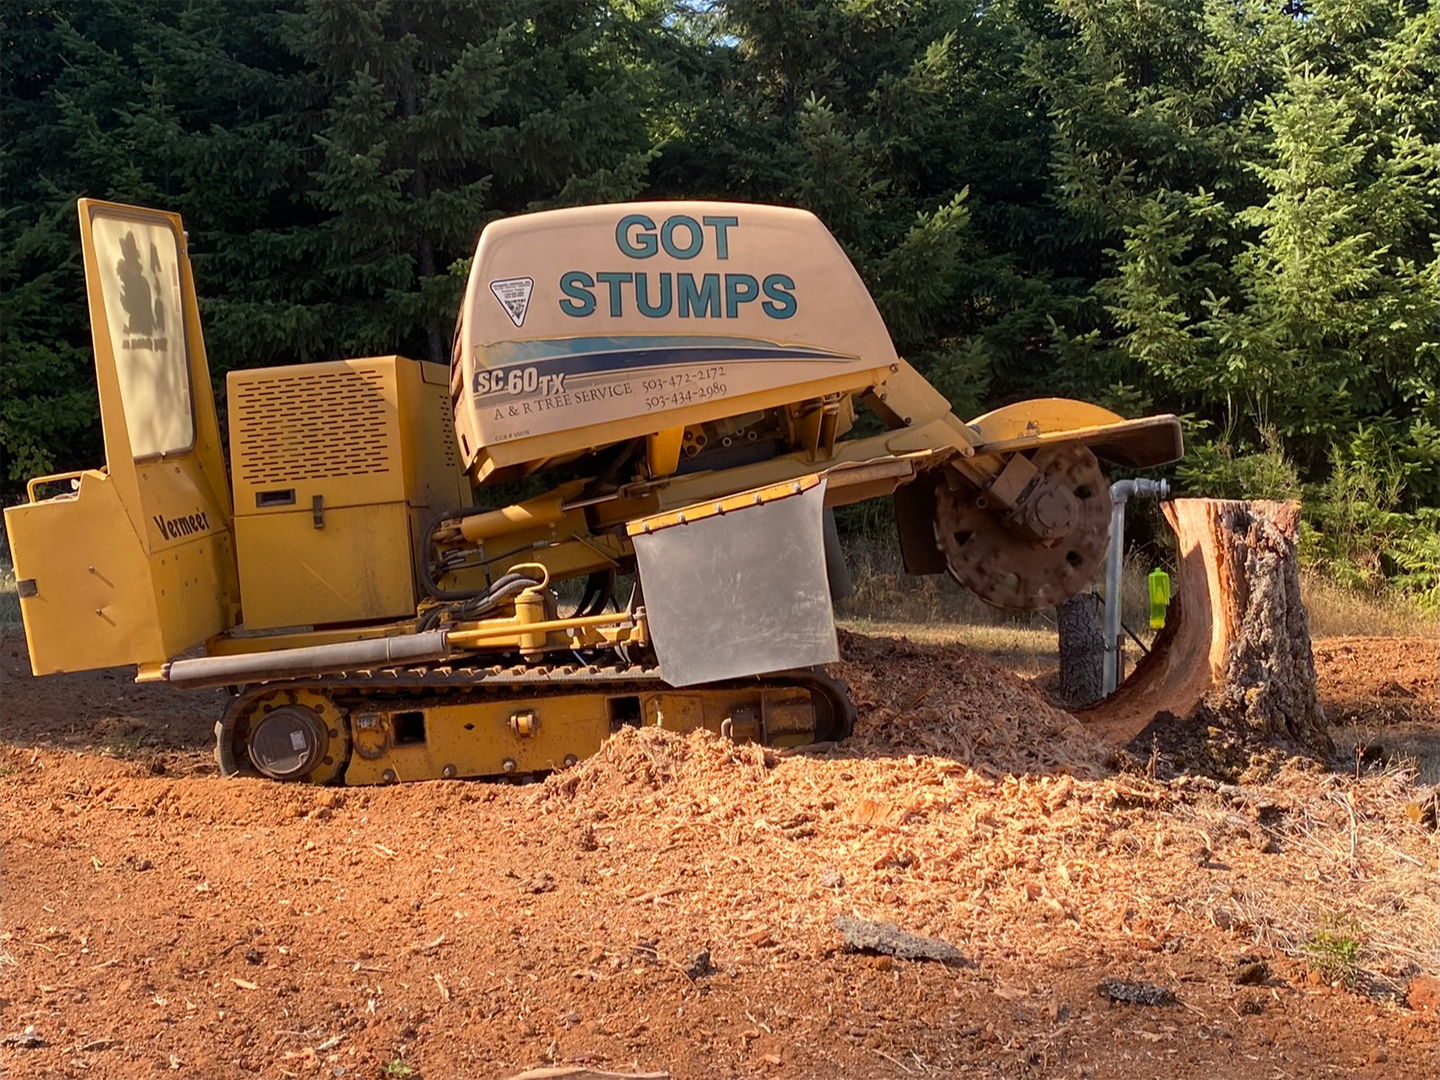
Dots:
{"x": 150, "y": 103}
{"x": 334, "y": 163}
{"x": 902, "y": 127}
{"x": 1221, "y": 210}
{"x": 429, "y": 120}
{"x": 46, "y": 392}
{"x": 1294, "y": 291}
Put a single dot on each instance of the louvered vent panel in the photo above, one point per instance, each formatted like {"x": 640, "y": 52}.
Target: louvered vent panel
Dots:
{"x": 311, "y": 427}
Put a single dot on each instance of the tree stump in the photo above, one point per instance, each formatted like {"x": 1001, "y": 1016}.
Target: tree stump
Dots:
{"x": 1082, "y": 650}
{"x": 1232, "y": 674}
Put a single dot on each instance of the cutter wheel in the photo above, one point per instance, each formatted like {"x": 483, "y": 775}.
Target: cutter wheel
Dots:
{"x": 994, "y": 550}
{"x": 391, "y": 725}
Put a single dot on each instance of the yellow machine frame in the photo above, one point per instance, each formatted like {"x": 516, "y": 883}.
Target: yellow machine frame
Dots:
{"x": 352, "y": 547}
{"x": 136, "y": 561}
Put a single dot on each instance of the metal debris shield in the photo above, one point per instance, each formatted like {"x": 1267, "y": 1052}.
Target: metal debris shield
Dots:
{"x": 743, "y": 592}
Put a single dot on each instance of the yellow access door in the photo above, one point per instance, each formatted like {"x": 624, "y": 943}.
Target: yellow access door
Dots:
{"x": 133, "y": 563}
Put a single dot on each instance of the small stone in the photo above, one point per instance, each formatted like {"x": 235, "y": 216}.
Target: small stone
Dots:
{"x": 29, "y": 1039}
{"x": 1135, "y": 993}
{"x": 699, "y": 965}
{"x": 1222, "y": 918}
{"x": 586, "y": 840}
{"x": 1378, "y": 1056}
{"x": 254, "y": 956}
{"x": 864, "y": 935}
{"x": 832, "y": 879}
{"x": 1423, "y": 993}
{"x": 1250, "y": 972}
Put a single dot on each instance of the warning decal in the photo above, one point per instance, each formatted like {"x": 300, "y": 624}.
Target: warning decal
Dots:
{"x": 514, "y": 296}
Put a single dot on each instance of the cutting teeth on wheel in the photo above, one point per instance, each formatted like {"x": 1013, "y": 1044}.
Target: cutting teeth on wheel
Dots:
{"x": 1004, "y": 566}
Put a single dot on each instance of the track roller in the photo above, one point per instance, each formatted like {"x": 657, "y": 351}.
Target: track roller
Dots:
{"x": 296, "y": 735}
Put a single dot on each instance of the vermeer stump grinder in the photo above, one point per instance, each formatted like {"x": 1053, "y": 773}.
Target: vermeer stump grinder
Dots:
{"x": 679, "y": 380}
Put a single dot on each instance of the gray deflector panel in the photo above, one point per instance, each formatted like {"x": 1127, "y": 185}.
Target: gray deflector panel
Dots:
{"x": 744, "y": 593}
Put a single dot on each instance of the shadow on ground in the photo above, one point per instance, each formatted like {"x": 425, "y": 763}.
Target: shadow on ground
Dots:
{"x": 103, "y": 711}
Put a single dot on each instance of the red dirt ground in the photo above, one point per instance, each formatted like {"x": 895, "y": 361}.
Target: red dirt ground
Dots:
{"x": 160, "y": 921}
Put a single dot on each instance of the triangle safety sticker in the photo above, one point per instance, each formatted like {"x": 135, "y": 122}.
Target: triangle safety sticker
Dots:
{"x": 514, "y": 296}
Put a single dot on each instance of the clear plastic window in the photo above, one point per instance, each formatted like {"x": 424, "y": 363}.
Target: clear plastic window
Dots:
{"x": 139, "y": 266}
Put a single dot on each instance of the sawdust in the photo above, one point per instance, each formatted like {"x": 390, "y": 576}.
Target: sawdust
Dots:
{"x": 958, "y": 706}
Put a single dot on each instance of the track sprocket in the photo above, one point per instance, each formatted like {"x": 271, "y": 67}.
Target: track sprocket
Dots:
{"x": 1009, "y": 569}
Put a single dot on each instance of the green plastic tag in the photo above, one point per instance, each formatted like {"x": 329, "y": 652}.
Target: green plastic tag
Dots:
{"x": 1159, "y": 597}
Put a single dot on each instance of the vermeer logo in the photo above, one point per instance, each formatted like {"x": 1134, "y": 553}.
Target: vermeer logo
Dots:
{"x": 189, "y": 525}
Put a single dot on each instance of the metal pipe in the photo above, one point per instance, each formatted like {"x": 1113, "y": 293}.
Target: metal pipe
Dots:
{"x": 1120, "y": 492}
{"x": 311, "y": 660}
{"x": 503, "y": 628}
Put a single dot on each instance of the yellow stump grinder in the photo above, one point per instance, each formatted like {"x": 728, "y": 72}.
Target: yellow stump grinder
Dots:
{"x": 679, "y": 380}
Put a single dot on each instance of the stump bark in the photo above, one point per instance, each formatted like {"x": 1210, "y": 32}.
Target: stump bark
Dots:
{"x": 1082, "y": 650}
{"x": 1232, "y": 673}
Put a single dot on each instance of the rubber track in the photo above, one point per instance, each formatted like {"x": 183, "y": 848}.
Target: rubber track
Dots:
{"x": 418, "y": 686}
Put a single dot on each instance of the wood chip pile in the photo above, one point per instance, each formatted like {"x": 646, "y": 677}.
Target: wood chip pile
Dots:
{"x": 968, "y": 809}
{"x": 952, "y": 704}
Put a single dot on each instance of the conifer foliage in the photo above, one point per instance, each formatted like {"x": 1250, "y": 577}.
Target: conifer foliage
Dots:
{"x": 1223, "y": 210}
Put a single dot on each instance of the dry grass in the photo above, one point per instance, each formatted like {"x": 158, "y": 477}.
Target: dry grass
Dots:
{"x": 1339, "y": 612}
{"x": 1024, "y": 650}
{"x": 885, "y": 593}
{"x": 1417, "y": 751}
{"x": 935, "y": 610}
{"x": 10, "y": 622}
{"x": 889, "y": 601}
{"x": 1359, "y": 874}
